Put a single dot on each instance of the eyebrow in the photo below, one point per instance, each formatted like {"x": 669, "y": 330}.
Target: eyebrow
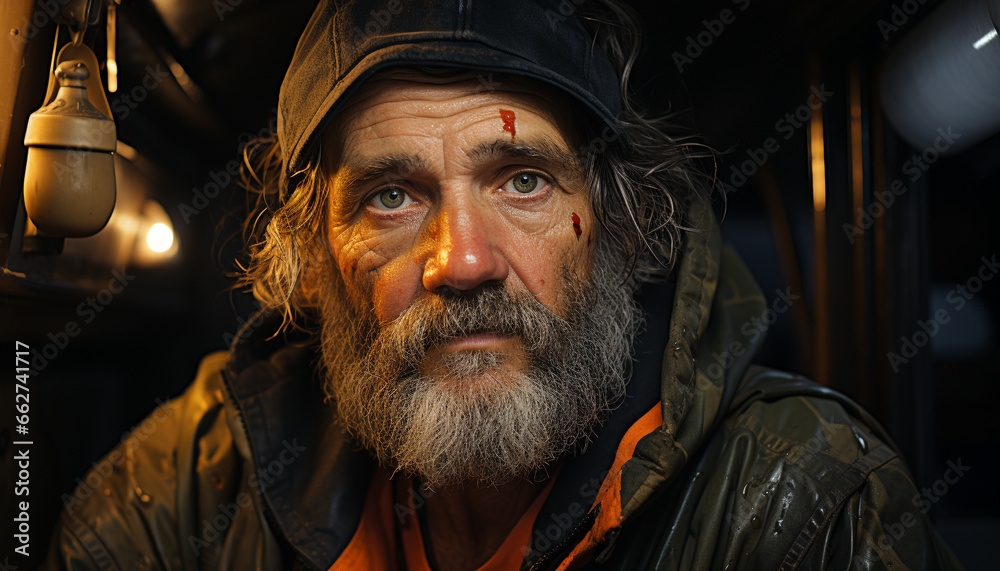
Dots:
{"x": 541, "y": 149}
{"x": 385, "y": 168}
{"x": 355, "y": 177}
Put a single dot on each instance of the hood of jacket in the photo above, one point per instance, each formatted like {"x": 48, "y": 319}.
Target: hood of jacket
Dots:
{"x": 710, "y": 462}
{"x": 316, "y": 502}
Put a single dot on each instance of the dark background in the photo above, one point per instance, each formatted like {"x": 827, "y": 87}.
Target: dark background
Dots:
{"x": 145, "y": 345}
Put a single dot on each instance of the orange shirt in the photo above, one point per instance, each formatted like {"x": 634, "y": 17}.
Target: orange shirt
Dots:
{"x": 388, "y": 537}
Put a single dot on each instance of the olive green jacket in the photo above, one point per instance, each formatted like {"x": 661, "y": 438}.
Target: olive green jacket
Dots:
{"x": 711, "y": 463}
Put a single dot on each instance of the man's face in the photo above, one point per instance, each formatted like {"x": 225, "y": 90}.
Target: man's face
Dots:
{"x": 432, "y": 195}
{"x": 460, "y": 324}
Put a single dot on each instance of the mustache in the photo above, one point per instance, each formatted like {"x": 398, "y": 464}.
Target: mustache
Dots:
{"x": 514, "y": 420}
{"x": 433, "y": 321}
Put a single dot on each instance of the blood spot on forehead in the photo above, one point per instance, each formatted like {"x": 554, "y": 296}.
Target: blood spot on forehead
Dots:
{"x": 508, "y": 122}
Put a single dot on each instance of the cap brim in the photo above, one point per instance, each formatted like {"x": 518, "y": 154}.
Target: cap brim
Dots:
{"x": 457, "y": 54}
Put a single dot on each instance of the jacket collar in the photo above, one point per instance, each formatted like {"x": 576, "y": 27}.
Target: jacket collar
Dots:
{"x": 703, "y": 362}
{"x": 315, "y": 501}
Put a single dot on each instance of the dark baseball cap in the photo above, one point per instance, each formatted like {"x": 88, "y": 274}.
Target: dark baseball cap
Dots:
{"x": 345, "y": 42}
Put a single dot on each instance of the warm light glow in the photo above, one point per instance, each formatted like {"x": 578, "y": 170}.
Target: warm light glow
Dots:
{"x": 817, "y": 160}
{"x": 112, "y": 76}
{"x": 818, "y": 157}
{"x": 155, "y": 242}
{"x": 160, "y": 237}
{"x": 112, "y": 39}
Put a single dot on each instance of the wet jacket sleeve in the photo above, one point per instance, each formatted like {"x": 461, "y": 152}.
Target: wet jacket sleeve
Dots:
{"x": 173, "y": 495}
{"x": 793, "y": 482}
{"x": 123, "y": 515}
{"x": 881, "y": 525}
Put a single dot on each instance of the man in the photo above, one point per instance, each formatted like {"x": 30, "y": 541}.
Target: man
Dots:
{"x": 502, "y": 294}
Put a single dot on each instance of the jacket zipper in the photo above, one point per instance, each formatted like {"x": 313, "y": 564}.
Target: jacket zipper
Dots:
{"x": 570, "y": 539}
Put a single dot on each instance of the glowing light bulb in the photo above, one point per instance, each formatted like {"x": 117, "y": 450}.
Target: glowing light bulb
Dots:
{"x": 159, "y": 238}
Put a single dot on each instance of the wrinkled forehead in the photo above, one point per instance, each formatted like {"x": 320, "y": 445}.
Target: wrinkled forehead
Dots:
{"x": 433, "y": 92}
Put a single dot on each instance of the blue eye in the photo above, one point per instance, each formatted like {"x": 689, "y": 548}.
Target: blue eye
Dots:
{"x": 391, "y": 198}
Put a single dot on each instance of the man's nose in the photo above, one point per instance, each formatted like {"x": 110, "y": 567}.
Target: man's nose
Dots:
{"x": 463, "y": 251}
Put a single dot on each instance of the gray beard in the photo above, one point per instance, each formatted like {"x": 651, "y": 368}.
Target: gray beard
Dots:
{"x": 475, "y": 421}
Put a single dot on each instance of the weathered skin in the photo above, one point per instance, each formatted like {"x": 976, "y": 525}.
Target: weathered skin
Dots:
{"x": 743, "y": 468}
{"x": 462, "y": 223}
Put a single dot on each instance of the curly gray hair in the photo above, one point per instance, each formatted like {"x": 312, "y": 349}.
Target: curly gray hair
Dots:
{"x": 639, "y": 187}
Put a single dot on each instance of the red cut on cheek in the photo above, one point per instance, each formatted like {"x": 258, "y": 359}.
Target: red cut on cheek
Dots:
{"x": 576, "y": 226}
{"x": 508, "y": 122}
